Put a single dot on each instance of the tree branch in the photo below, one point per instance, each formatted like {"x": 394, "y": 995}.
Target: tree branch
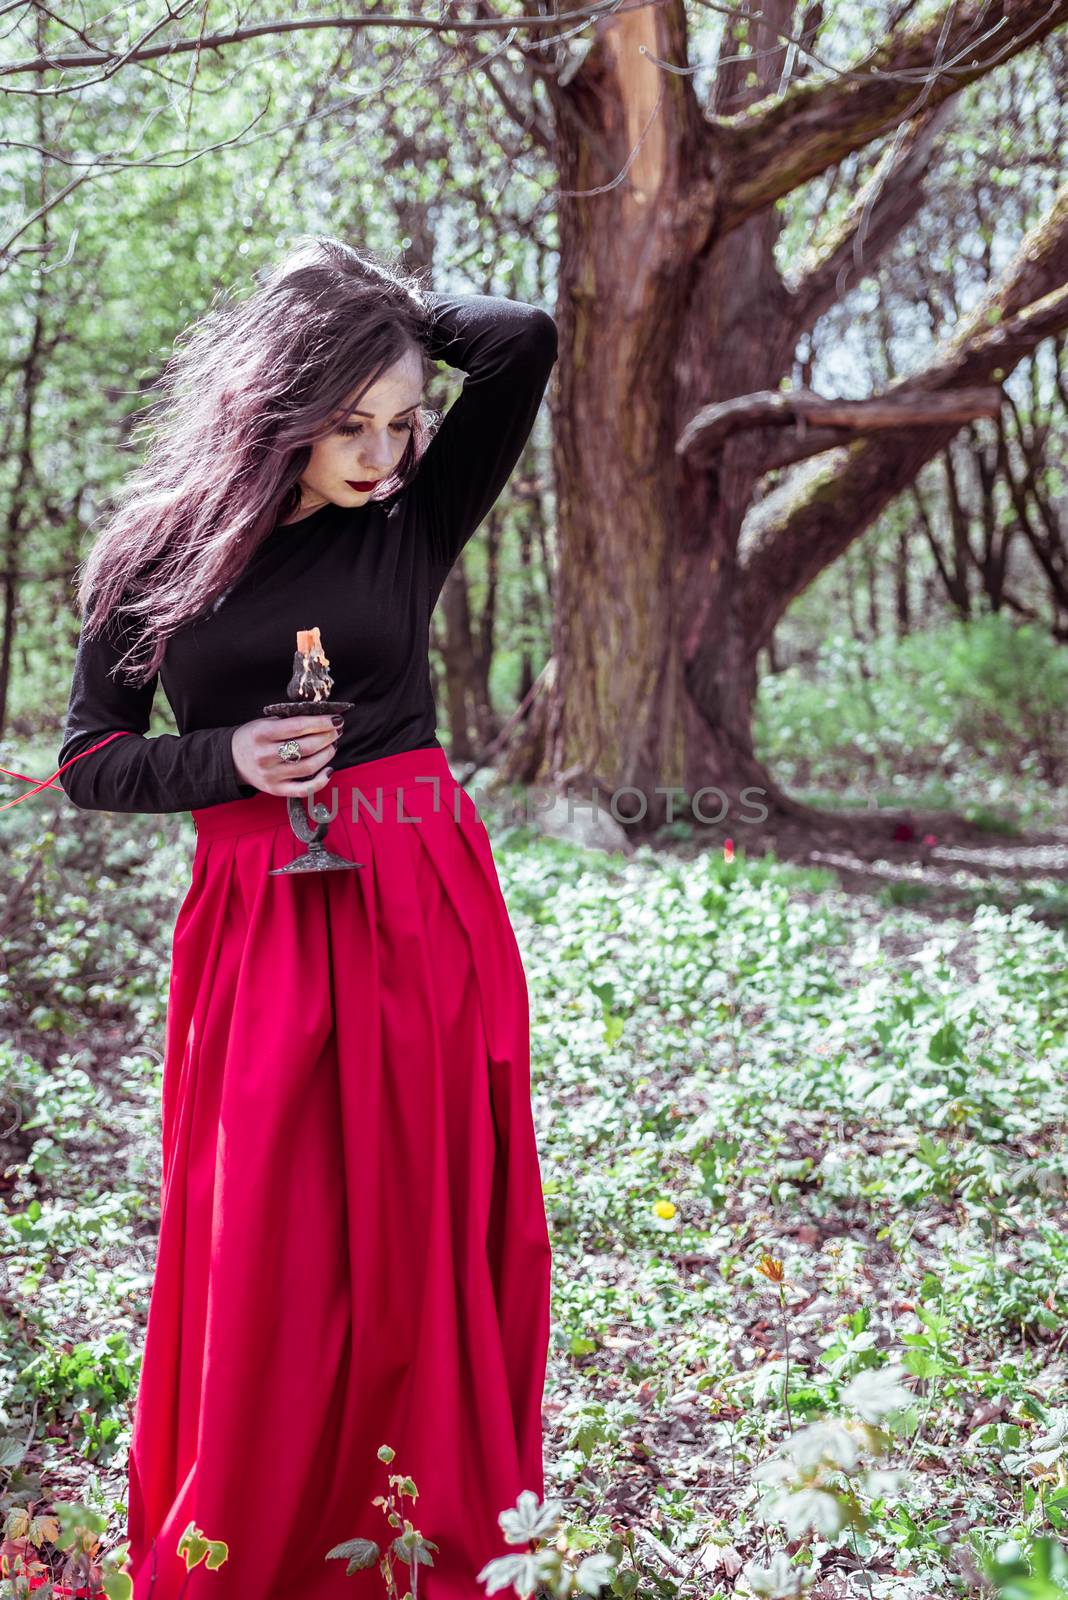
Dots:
{"x": 799, "y": 529}
{"x": 525, "y": 118}
{"x": 901, "y": 407}
{"x": 766, "y": 152}
{"x": 887, "y": 203}
{"x": 110, "y": 59}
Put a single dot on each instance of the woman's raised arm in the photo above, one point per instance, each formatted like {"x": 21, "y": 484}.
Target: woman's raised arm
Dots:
{"x": 507, "y": 349}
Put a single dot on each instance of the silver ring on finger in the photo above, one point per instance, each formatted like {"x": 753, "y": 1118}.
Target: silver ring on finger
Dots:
{"x": 289, "y": 750}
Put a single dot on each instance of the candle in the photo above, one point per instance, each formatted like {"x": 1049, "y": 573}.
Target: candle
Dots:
{"x": 311, "y": 678}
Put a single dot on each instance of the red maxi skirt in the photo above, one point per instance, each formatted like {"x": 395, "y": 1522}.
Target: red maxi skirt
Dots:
{"x": 353, "y": 1248}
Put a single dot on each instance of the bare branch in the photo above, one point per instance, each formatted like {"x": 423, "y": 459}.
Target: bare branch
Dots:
{"x": 704, "y": 437}
{"x": 111, "y": 60}
{"x": 104, "y": 169}
{"x": 526, "y": 119}
{"x": 766, "y": 152}
{"x": 801, "y": 527}
{"x": 887, "y": 203}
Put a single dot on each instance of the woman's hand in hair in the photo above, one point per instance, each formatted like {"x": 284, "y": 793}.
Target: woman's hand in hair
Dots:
{"x": 254, "y": 747}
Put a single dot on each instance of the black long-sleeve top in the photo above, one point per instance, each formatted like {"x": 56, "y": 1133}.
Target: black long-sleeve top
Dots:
{"x": 368, "y": 577}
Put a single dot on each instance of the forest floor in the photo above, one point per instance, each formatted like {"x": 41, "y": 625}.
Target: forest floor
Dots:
{"x": 804, "y": 1138}
{"x": 938, "y": 859}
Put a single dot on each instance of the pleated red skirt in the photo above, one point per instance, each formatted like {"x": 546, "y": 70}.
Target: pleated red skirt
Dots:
{"x": 353, "y": 1248}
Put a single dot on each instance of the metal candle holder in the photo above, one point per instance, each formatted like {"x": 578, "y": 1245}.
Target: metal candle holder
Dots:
{"x": 309, "y": 675}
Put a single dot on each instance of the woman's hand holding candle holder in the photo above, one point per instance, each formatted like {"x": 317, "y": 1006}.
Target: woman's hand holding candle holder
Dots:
{"x": 268, "y": 761}
{"x": 255, "y": 751}
{"x": 310, "y": 683}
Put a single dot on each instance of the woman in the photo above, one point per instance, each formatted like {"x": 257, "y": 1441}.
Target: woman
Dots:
{"x": 353, "y": 1248}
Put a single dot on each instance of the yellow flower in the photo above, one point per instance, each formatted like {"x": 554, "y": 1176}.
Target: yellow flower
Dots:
{"x": 770, "y": 1268}
{"x": 664, "y": 1208}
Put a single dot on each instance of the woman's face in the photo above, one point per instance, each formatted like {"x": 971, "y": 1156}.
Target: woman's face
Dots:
{"x": 367, "y": 444}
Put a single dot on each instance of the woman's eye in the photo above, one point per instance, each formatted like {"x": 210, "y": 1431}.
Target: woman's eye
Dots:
{"x": 401, "y": 427}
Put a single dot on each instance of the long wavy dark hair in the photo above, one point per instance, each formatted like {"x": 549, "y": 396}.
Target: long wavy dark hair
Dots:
{"x": 248, "y": 390}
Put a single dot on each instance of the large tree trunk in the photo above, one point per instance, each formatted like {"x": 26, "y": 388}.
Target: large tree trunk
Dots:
{"x": 671, "y": 305}
{"x": 626, "y": 263}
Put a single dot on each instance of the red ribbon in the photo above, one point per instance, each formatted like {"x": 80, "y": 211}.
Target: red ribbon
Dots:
{"x": 47, "y": 783}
